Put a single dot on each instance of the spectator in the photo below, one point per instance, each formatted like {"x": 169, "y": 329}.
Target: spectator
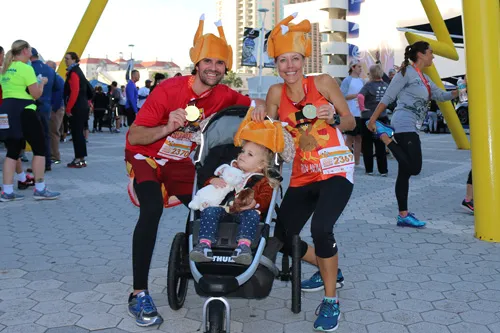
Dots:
{"x": 158, "y": 78}
{"x": 143, "y": 94}
{"x": 132, "y": 95}
{"x": 57, "y": 115}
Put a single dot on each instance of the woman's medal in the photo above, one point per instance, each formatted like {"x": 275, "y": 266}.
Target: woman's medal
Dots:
{"x": 192, "y": 113}
{"x": 309, "y": 111}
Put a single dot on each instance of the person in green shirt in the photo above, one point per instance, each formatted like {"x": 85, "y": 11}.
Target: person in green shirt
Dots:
{"x": 20, "y": 89}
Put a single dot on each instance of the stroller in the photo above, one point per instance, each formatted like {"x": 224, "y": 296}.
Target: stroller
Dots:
{"x": 223, "y": 278}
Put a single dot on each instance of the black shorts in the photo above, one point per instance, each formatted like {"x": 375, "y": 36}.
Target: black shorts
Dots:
{"x": 360, "y": 123}
{"x": 121, "y": 110}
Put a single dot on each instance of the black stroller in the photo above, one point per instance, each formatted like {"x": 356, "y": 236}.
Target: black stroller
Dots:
{"x": 223, "y": 277}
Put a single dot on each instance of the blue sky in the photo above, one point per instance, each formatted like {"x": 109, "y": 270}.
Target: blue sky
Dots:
{"x": 162, "y": 29}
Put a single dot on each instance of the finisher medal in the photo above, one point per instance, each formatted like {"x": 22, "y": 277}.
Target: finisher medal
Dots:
{"x": 193, "y": 113}
{"x": 309, "y": 111}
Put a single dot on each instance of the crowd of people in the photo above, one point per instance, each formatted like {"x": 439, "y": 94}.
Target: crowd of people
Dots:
{"x": 331, "y": 126}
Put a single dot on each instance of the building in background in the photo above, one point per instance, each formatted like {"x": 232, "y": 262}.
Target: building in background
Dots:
{"x": 238, "y": 14}
{"x": 313, "y": 63}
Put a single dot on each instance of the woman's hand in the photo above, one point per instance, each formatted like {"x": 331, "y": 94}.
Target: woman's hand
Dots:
{"x": 44, "y": 80}
{"x": 218, "y": 182}
{"x": 259, "y": 113}
{"x": 454, "y": 93}
{"x": 372, "y": 127}
{"x": 326, "y": 112}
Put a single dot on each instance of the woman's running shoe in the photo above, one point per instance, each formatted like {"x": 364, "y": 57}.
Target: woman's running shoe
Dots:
{"x": 30, "y": 181}
{"x": 383, "y": 129}
{"x": 315, "y": 282}
{"x": 328, "y": 313}
{"x": 410, "y": 221}
{"x": 143, "y": 309}
{"x": 468, "y": 206}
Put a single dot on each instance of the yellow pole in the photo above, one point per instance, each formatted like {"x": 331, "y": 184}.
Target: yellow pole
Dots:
{"x": 444, "y": 47}
{"x": 482, "y": 44}
{"x": 84, "y": 31}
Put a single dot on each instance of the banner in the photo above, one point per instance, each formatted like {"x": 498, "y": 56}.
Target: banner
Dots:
{"x": 354, "y": 7}
{"x": 251, "y": 46}
{"x": 353, "y": 30}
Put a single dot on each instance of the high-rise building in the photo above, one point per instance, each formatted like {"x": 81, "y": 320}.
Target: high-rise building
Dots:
{"x": 238, "y": 14}
{"x": 313, "y": 63}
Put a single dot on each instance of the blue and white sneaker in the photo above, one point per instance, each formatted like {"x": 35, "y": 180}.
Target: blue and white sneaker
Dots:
{"x": 142, "y": 308}
{"x": 410, "y": 221}
{"x": 383, "y": 129}
{"x": 4, "y": 197}
{"x": 328, "y": 313}
{"x": 315, "y": 282}
{"x": 201, "y": 253}
{"x": 45, "y": 194}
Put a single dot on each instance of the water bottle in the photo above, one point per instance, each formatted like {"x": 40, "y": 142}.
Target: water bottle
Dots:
{"x": 462, "y": 90}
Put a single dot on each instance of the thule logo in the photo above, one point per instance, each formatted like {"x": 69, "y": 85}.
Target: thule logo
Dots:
{"x": 222, "y": 259}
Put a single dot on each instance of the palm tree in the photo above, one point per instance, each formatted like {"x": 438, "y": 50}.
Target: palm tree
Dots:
{"x": 232, "y": 80}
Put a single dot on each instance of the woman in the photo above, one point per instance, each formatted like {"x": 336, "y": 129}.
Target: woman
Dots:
{"x": 368, "y": 99}
{"x": 413, "y": 90}
{"x": 321, "y": 182}
{"x": 101, "y": 105}
{"x": 76, "y": 98}
{"x": 350, "y": 87}
{"x": 20, "y": 89}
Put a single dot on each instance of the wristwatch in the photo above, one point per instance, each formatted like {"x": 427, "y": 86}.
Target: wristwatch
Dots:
{"x": 336, "y": 120}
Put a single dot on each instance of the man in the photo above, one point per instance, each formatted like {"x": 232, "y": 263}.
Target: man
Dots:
{"x": 161, "y": 172}
{"x": 143, "y": 94}
{"x": 57, "y": 115}
{"x": 132, "y": 95}
{"x": 116, "y": 96}
{"x": 44, "y": 103}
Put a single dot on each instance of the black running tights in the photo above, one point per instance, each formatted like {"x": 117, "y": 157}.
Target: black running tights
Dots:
{"x": 408, "y": 152}
{"x": 144, "y": 239}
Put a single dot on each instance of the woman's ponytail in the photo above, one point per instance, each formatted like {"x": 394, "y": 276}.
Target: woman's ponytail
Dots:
{"x": 7, "y": 61}
{"x": 406, "y": 61}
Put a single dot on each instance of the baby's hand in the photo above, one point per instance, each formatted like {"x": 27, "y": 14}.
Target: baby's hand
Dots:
{"x": 218, "y": 182}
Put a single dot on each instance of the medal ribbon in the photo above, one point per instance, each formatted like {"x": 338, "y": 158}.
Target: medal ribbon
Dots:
{"x": 424, "y": 80}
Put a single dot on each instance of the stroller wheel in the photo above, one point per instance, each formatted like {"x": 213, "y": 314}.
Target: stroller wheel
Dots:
{"x": 216, "y": 314}
{"x": 177, "y": 279}
{"x": 296, "y": 275}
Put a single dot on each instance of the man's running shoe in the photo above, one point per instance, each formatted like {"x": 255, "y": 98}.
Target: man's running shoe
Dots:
{"x": 201, "y": 253}
{"x": 4, "y": 197}
{"x": 315, "y": 282}
{"x": 45, "y": 194}
{"x": 328, "y": 313}
{"x": 468, "y": 206}
{"x": 143, "y": 309}
{"x": 76, "y": 164}
{"x": 410, "y": 221}
{"x": 30, "y": 181}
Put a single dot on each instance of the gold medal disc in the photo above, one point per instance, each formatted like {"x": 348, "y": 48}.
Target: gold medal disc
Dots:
{"x": 309, "y": 111}
{"x": 193, "y": 113}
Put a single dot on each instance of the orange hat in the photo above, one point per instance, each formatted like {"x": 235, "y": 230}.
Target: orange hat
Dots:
{"x": 288, "y": 37}
{"x": 267, "y": 133}
{"x": 211, "y": 46}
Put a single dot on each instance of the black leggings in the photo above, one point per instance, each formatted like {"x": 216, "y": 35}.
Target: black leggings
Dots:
{"x": 32, "y": 132}
{"x": 469, "y": 178}
{"x": 327, "y": 200}
{"x": 144, "y": 239}
{"x": 98, "y": 115}
{"x": 408, "y": 153}
{"x": 77, "y": 123}
{"x": 367, "y": 149}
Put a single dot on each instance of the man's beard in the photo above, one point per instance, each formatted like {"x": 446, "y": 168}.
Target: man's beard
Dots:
{"x": 207, "y": 83}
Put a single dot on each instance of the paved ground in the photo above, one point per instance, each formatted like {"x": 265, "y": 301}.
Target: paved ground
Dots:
{"x": 65, "y": 266}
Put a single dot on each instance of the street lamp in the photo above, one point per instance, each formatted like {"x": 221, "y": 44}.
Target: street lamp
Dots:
{"x": 261, "y": 53}
{"x": 131, "y": 49}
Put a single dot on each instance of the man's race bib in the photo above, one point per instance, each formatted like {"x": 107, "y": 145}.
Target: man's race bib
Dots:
{"x": 4, "y": 121}
{"x": 336, "y": 160}
{"x": 176, "y": 146}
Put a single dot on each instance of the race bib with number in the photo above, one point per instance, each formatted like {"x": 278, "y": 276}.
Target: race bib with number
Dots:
{"x": 176, "y": 146}
{"x": 336, "y": 160}
{"x": 4, "y": 121}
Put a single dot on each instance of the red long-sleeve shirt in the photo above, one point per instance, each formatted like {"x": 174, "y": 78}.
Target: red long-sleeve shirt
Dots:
{"x": 74, "y": 85}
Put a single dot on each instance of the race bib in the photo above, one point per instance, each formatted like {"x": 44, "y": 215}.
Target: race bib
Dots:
{"x": 336, "y": 160}
{"x": 176, "y": 147}
{"x": 4, "y": 121}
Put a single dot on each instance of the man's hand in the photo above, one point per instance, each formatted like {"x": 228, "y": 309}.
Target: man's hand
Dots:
{"x": 44, "y": 80}
{"x": 259, "y": 113}
{"x": 218, "y": 182}
{"x": 176, "y": 119}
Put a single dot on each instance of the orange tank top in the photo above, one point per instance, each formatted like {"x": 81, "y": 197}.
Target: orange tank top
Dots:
{"x": 320, "y": 150}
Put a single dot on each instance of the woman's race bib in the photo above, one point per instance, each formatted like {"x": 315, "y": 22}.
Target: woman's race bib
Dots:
{"x": 336, "y": 160}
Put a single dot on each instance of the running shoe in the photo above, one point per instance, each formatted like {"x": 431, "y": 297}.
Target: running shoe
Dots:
{"x": 410, "y": 221}
{"x": 383, "y": 129}
{"x": 30, "y": 181}
{"x": 328, "y": 313}
{"x": 468, "y": 206}
{"x": 76, "y": 164}
{"x": 143, "y": 309}
{"x": 315, "y": 282}
{"x": 4, "y": 197}
{"x": 45, "y": 194}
